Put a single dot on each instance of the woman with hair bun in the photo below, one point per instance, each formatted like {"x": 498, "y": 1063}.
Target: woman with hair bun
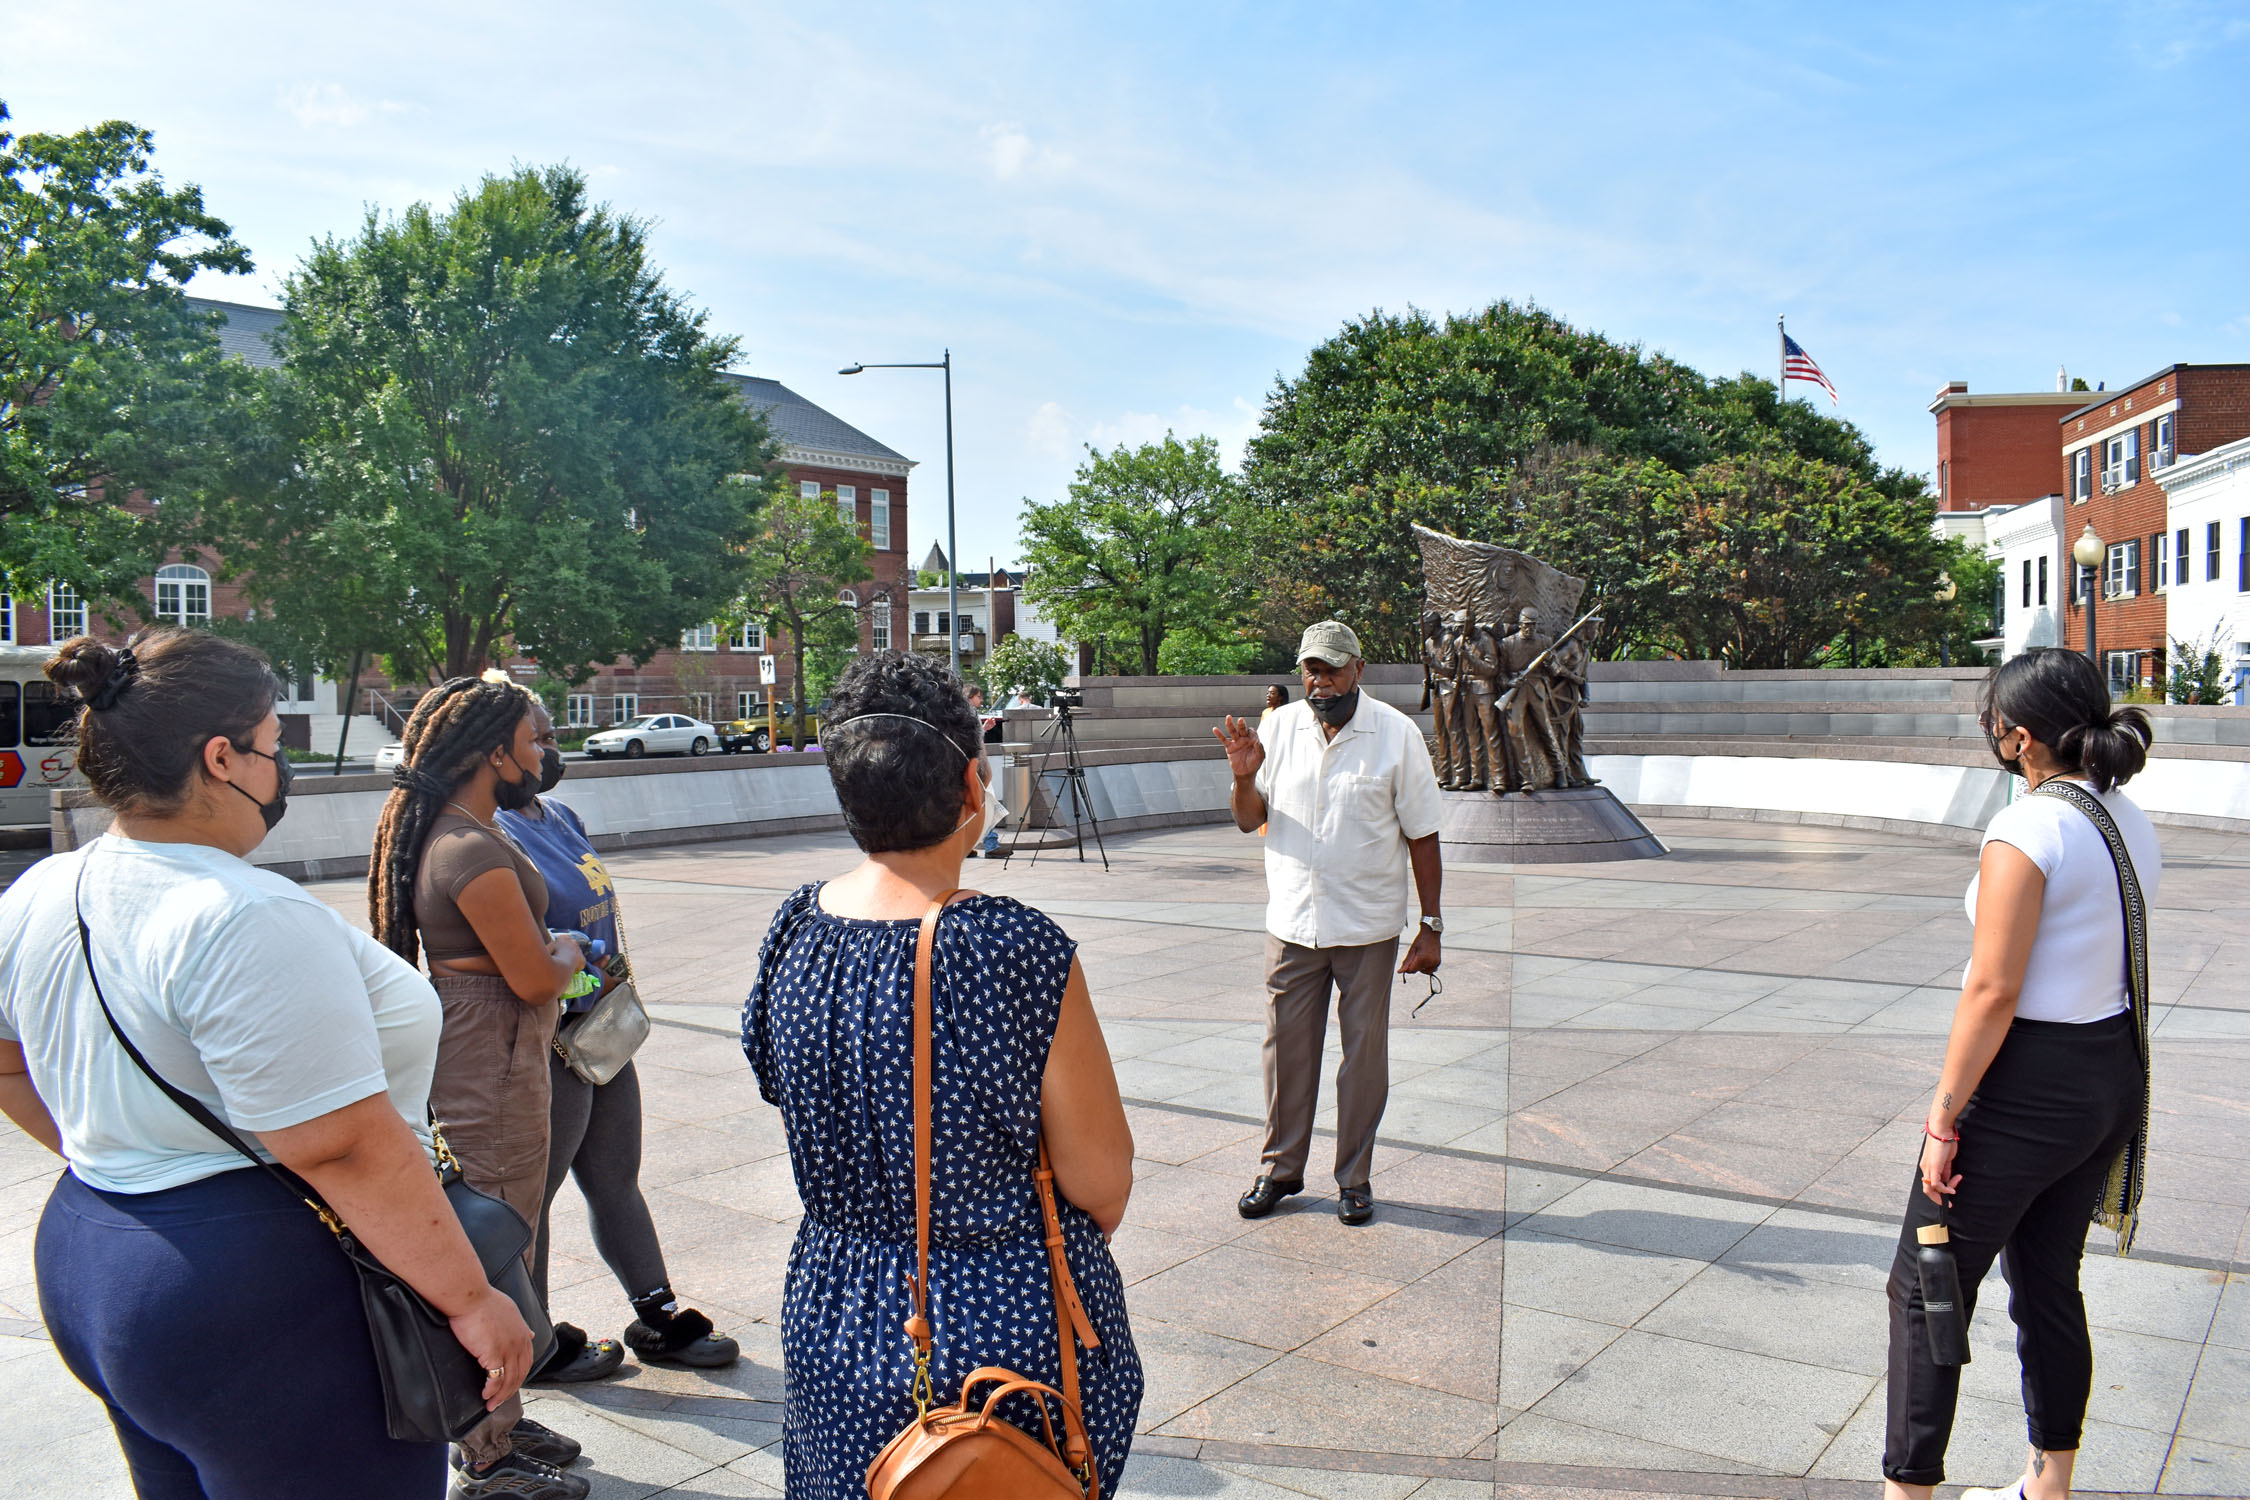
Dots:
{"x": 199, "y": 1297}
{"x": 2040, "y": 1120}
{"x": 446, "y": 883}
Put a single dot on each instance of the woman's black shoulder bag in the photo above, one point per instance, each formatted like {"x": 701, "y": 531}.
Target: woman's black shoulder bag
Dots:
{"x": 433, "y": 1388}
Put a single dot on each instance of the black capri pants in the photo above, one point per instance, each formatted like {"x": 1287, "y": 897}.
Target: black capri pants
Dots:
{"x": 221, "y": 1325}
{"x": 2037, "y": 1139}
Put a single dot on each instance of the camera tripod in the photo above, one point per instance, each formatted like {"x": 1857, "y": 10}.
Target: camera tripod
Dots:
{"x": 1064, "y": 733}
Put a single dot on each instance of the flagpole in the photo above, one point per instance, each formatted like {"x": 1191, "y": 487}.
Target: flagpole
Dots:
{"x": 1781, "y": 386}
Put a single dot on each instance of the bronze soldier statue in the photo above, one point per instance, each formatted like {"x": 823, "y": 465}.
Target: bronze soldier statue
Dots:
{"x": 1441, "y": 694}
{"x": 1480, "y": 681}
{"x": 1565, "y": 717}
{"x": 1524, "y": 709}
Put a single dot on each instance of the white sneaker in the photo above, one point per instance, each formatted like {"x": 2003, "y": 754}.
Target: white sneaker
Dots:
{"x": 2012, "y": 1492}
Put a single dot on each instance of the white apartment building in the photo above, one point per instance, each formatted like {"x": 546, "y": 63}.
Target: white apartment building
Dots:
{"x": 2035, "y": 575}
{"x": 2207, "y": 582}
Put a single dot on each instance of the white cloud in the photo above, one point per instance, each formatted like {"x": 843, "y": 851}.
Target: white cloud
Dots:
{"x": 328, "y": 104}
{"x": 1049, "y": 431}
{"x": 1013, "y": 153}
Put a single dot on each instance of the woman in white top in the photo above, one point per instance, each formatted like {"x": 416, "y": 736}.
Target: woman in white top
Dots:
{"x": 2045, "y": 1083}
{"x": 208, "y": 1307}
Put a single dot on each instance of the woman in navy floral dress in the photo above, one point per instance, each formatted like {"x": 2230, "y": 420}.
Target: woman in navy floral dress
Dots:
{"x": 828, "y": 1028}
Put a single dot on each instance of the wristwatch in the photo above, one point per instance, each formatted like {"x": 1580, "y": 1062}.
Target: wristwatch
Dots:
{"x": 1435, "y": 924}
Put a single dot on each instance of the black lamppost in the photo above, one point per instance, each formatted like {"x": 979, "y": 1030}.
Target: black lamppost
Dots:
{"x": 2088, "y": 553}
{"x": 952, "y": 550}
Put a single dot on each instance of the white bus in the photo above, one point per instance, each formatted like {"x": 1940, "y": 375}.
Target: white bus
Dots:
{"x": 36, "y": 750}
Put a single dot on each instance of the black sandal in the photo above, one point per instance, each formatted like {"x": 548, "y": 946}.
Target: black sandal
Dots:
{"x": 687, "y": 1339}
{"x": 578, "y": 1359}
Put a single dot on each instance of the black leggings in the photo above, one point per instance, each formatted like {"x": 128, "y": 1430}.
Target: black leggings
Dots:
{"x": 596, "y": 1138}
{"x": 2037, "y": 1139}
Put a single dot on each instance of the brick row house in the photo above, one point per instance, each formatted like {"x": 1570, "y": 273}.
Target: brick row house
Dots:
{"x": 2115, "y": 452}
{"x": 2110, "y": 461}
{"x": 712, "y": 674}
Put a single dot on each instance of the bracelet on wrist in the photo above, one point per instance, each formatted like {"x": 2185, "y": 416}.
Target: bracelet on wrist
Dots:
{"x": 1947, "y": 1140}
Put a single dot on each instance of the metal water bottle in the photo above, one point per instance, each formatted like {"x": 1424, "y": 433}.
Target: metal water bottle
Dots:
{"x": 1941, "y": 1296}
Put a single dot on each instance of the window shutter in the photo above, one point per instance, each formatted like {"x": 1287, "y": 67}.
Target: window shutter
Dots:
{"x": 2156, "y": 575}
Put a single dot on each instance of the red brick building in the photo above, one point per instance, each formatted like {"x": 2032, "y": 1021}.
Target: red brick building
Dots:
{"x": 2113, "y": 447}
{"x": 713, "y": 673}
{"x": 1996, "y": 448}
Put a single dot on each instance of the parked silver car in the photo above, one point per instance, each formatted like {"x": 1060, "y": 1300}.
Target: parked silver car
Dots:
{"x": 654, "y": 734}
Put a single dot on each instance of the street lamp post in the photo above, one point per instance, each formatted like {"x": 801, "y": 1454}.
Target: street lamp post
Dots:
{"x": 2088, "y": 552}
{"x": 952, "y": 549}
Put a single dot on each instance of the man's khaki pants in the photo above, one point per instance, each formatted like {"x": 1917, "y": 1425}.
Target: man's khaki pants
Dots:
{"x": 1298, "y": 980}
{"x": 491, "y": 1094}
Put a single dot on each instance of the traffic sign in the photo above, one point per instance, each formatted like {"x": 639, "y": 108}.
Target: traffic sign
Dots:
{"x": 765, "y": 671}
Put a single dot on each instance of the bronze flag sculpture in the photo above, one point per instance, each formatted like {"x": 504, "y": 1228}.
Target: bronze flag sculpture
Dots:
{"x": 1503, "y": 690}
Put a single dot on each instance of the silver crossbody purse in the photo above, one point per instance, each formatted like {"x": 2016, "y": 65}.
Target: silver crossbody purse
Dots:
{"x": 597, "y": 1044}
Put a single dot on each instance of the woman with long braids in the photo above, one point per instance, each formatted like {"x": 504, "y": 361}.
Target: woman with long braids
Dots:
{"x": 445, "y": 882}
{"x": 2039, "y": 1124}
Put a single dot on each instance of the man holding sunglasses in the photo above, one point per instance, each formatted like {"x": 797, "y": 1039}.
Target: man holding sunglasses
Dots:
{"x": 1350, "y": 801}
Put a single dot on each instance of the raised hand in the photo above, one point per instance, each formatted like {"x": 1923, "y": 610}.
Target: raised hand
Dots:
{"x": 1244, "y": 752}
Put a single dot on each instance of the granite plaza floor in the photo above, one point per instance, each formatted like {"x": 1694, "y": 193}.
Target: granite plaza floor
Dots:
{"x": 1636, "y": 1191}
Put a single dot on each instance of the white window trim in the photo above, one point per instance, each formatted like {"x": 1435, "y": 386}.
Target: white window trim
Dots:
{"x": 7, "y": 620}
{"x": 2088, "y": 440}
{"x": 879, "y": 630}
{"x": 55, "y": 614}
{"x": 578, "y": 711}
{"x": 624, "y": 706}
{"x": 879, "y": 519}
{"x": 700, "y": 638}
{"x": 188, "y": 582}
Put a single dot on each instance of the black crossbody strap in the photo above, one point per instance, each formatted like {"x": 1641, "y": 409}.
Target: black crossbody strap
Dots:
{"x": 2119, "y": 1205}
{"x": 196, "y": 1109}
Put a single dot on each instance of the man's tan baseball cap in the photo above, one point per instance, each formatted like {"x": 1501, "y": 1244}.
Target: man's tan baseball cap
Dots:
{"x": 1330, "y": 641}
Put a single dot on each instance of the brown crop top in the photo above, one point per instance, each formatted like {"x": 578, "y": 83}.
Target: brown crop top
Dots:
{"x": 458, "y": 850}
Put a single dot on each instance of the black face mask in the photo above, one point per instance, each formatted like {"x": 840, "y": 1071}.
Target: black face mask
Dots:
{"x": 516, "y": 795}
{"x": 1335, "y": 712}
{"x": 283, "y": 773}
{"x": 2013, "y": 765}
{"x": 550, "y": 768}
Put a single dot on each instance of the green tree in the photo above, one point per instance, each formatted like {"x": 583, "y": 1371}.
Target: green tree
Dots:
{"x": 2198, "y": 669}
{"x": 109, "y": 382}
{"x": 1771, "y": 558}
{"x": 496, "y": 429}
{"x": 802, "y": 559}
{"x": 1020, "y": 664}
{"x": 1134, "y": 553}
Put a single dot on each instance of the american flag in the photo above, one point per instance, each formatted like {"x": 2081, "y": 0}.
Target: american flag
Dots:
{"x": 1796, "y": 364}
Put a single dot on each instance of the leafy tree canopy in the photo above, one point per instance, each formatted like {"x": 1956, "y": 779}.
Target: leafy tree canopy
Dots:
{"x": 795, "y": 571}
{"x": 109, "y": 382}
{"x": 1129, "y": 557}
{"x": 496, "y": 428}
{"x": 1710, "y": 517}
{"x": 1020, "y": 664}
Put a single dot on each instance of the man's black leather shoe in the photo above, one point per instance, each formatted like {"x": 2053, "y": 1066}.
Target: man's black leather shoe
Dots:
{"x": 1265, "y": 1196}
{"x": 1355, "y": 1206}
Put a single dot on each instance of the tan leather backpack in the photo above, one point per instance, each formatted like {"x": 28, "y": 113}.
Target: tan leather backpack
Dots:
{"x": 967, "y": 1451}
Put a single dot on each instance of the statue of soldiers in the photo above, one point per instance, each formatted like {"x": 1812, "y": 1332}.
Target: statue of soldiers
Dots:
{"x": 1567, "y": 699}
{"x": 1480, "y": 684}
{"x": 1524, "y": 709}
{"x": 1441, "y": 693}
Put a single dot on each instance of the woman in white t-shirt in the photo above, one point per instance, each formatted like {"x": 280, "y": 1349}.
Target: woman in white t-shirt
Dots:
{"x": 2045, "y": 1083}
{"x": 204, "y": 1303}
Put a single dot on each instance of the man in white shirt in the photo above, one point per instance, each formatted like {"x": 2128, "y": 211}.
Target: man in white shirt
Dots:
{"x": 1344, "y": 785}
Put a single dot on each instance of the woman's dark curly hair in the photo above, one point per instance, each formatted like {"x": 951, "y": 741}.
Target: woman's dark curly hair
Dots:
{"x": 899, "y": 782}
{"x": 2061, "y": 698}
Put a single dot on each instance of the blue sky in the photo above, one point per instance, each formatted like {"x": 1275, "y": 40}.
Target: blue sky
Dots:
{"x": 1128, "y": 218}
